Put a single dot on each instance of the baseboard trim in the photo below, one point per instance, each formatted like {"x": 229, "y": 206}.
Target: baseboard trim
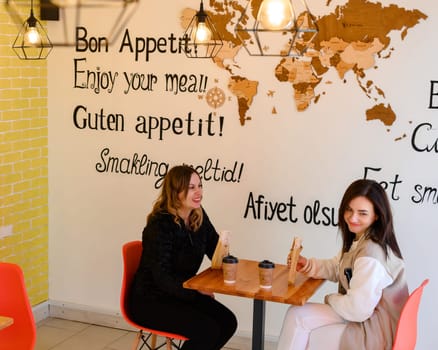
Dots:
{"x": 84, "y": 313}
{"x": 40, "y": 311}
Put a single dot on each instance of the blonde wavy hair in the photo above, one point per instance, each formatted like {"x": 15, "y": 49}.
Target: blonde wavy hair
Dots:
{"x": 176, "y": 181}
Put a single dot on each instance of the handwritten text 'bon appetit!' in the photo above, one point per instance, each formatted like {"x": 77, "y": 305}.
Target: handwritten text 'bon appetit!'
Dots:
{"x": 140, "y": 47}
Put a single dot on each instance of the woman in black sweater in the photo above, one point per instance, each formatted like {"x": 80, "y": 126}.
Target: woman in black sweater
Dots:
{"x": 177, "y": 235}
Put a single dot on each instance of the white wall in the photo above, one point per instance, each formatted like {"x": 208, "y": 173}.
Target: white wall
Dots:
{"x": 308, "y": 156}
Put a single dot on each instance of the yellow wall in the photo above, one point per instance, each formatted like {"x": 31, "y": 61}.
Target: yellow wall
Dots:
{"x": 23, "y": 162}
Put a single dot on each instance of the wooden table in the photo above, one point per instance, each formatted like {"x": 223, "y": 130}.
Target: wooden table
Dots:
{"x": 5, "y": 321}
{"x": 247, "y": 285}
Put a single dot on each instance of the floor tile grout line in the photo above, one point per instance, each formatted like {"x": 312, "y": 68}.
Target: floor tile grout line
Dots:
{"x": 73, "y": 331}
{"x": 74, "y": 334}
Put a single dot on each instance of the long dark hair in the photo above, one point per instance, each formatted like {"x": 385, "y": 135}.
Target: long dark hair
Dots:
{"x": 382, "y": 230}
{"x": 177, "y": 180}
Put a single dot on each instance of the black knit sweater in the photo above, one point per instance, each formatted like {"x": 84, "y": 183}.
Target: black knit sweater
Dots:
{"x": 172, "y": 254}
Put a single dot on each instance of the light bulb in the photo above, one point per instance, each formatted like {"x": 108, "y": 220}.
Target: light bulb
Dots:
{"x": 32, "y": 37}
{"x": 65, "y": 3}
{"x": 202, "y": 34}
{"x": 275, "y": 14}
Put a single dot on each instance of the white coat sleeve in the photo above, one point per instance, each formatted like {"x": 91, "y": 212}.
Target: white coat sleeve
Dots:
{"x": 366, "y": 287}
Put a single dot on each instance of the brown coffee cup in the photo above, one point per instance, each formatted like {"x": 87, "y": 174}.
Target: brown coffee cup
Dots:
{"x": 229, "y": 268}
{"x": 266, "y": 272}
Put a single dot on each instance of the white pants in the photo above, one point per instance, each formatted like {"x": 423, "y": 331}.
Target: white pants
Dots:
{"x": 311, "y": 327}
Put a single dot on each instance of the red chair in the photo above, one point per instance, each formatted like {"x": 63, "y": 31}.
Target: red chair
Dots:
{"x": 131, "y": 253}
{"x": 406, "y": 333}
{"x": 14, "y": 303}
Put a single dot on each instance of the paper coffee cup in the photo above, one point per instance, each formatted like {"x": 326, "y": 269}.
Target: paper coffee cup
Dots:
{"x": 229, "y": 268}
{"x": 266, "y": 272}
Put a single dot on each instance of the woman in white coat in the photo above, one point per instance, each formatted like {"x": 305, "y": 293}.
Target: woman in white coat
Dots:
{"x": 369, "y": 270}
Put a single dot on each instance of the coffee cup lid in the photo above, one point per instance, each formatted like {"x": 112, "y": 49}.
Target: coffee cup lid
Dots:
{"x": 229, "y": 259}
{"x": 266, "y": 264}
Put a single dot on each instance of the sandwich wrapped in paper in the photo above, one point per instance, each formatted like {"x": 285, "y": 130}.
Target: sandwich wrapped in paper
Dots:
{"x": 222, "y": 249}
{"x": 293, "y": 256}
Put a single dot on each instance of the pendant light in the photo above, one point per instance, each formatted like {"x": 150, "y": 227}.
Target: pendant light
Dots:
{"x": 284, "y": 28}
{"x": 32, "y": 42}
{"x": 202, "y": 38}
{"x": 66, "y": 16}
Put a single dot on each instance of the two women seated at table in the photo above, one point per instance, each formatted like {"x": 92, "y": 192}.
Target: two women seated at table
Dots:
{"x": 369, "y": 270}
{"x": 177, "y": 235}
{"x": 372, "y": 288}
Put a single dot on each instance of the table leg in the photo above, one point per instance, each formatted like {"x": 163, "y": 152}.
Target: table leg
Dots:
{"x": 258, "y": 325}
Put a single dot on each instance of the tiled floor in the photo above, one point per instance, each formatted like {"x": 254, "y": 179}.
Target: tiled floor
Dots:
{"x": 60, "y": 334}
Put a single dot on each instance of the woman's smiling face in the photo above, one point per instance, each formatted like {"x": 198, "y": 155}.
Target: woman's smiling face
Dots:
{"x": 193, "y": 198}
{"x": 359, "y": 215}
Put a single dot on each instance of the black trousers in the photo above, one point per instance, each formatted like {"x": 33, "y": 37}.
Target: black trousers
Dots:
{"x": 206, "y": 322}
